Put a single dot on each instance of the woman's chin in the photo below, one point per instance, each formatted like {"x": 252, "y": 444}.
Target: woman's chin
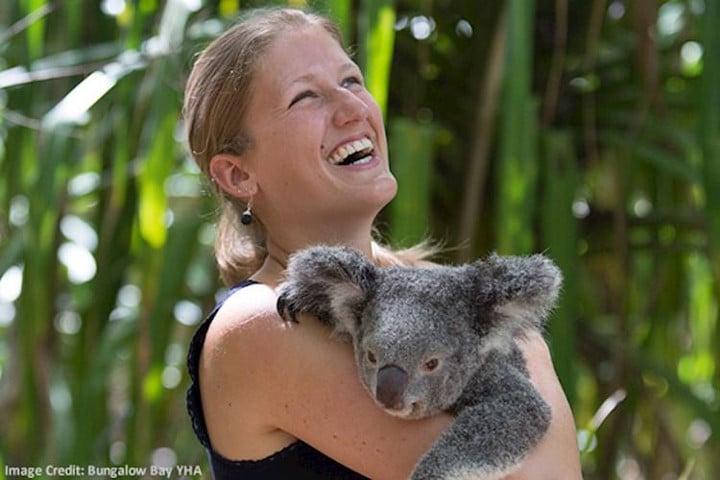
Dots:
{"x": 385, "y": 189}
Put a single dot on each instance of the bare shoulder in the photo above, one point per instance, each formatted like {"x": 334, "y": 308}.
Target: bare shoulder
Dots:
{"x": 241, "y": 342}
{"x": 266, "y": 381}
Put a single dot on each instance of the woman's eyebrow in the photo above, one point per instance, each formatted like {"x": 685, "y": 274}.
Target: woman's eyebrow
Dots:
{"x": 306, "y": 78}
{"x": 349, "y": 66}
{"x": 309, "y": 77}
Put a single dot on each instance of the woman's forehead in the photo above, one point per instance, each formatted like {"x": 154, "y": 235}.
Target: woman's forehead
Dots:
{"x": 300, "y": 53}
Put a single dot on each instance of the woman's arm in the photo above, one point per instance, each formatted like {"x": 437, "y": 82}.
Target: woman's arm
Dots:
{"x": 296, "y": 378}
{"x": 300, "y": 380}
{"x": 556, "y": 457}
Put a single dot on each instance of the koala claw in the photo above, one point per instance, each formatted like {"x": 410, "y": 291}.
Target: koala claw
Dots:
{"x": 286, "y": 310}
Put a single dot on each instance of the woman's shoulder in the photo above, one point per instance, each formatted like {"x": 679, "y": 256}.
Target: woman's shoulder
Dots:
{"x": 246, "y": 324}
{"x": 252, "y": 355}
{"x": 247, "y": 316}
{"x": 239, "y": 374}
{"x": 246, "y": 305}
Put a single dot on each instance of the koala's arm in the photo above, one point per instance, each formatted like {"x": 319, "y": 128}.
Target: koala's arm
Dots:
{"x": 495, "y": 428}
{"x": 330, "y": 283}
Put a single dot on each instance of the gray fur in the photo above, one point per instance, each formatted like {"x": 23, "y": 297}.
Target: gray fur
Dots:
{"x": 402, "y": 319}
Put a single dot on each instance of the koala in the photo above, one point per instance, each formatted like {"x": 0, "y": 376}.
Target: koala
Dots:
{"x": 438, "y": 338}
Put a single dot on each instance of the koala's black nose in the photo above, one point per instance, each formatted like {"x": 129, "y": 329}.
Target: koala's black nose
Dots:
{"x": 391, "y": 383}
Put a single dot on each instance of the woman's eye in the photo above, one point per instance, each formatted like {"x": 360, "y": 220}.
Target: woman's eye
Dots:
{"x": 351, "y": 81}
{"x": 300, "y": 96}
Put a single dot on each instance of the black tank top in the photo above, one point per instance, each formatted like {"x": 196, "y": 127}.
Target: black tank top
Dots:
{"x": 297, "y": 461}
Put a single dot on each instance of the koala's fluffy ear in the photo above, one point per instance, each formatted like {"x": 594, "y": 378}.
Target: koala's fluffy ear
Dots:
{"x": 336, "y": 281}
{"x": 522, "y": 288}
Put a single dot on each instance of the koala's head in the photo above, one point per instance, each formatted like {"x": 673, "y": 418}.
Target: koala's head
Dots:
{"x": 419, "y": 333}
{"x": 414, "y": 342}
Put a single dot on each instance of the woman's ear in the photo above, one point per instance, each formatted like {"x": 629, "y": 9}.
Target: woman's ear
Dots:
{"x": 229, "y": 172}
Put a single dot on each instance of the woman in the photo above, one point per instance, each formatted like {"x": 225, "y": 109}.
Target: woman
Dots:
{"x": 279, "y": 120}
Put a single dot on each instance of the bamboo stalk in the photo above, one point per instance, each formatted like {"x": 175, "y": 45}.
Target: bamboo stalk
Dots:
{"x": 412, "y": 147}
{"x": 517, "y": 162}
{"x": 377, "y": 38}
{"x": 484, "y": 131}
{"x": 709, "y": 107}
{"x": 560, "y": 238}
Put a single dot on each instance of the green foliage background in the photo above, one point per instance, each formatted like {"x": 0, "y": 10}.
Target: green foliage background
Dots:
{"x": 589, "y": 130}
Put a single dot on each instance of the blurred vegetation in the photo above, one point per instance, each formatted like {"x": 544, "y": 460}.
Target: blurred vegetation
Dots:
{"x": 589, "y": 130}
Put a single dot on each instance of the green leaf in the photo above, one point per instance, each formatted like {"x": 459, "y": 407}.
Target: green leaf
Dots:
{"x": 153, "y": 200}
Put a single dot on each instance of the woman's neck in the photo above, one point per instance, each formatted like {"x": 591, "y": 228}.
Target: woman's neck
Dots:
{"x": 272, "y": 269}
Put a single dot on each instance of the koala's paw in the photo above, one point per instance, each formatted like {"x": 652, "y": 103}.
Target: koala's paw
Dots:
{"x": 287, "y": 305}
{"x": 300, "y": 296}
{"x": 455, "y": 469}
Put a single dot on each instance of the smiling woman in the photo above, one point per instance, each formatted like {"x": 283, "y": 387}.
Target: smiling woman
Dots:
{"x": 280, "y": 121}
{"x": 309, "y": 107}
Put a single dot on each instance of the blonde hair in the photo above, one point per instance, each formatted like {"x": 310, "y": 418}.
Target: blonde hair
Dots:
{"x": 216, "y": 99}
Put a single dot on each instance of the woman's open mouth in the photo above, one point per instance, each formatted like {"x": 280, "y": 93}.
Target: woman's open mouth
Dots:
{"x": 357, "y": 152}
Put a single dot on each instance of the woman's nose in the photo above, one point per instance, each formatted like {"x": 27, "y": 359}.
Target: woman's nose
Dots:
{"x": 349, "y": 108}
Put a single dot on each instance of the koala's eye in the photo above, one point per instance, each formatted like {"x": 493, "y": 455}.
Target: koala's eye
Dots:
{"x": 431, "y": 364}
{"x": 371, "y": 357}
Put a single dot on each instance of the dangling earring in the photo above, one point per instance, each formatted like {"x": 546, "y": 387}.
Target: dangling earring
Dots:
{"x": 246, "y": 218}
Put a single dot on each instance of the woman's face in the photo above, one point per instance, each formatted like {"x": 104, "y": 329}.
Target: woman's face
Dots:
{"x": 319, "y": 152}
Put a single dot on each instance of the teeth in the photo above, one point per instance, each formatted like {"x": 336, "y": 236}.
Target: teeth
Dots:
{"x": 349, "y": 148}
